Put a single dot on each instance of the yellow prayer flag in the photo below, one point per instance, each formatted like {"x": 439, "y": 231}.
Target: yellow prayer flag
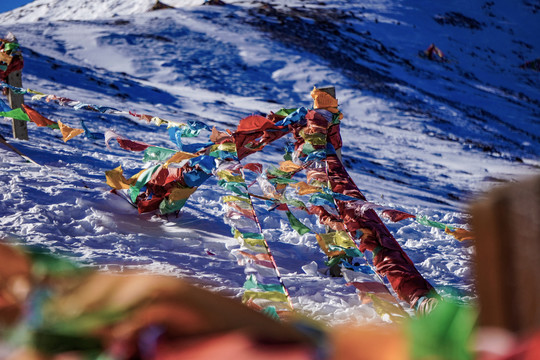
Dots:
{"x": 388, "y": 305}
{"x": 116, "y": 179}
{"x": 178, "y": 157}
{"x": 171, "y": 124}
{"x": 67, "y": 132}
{"x": 268, "y": 295}
{"x": 324, "y": 247}
{"x": 227, "y": 175}
{"x": 228, "y": 146}
{"x": 230, "y": 198}
{"x": 339, "y": 238}
{"x": 158, "y": 121}
{"x": 254, "y": 242}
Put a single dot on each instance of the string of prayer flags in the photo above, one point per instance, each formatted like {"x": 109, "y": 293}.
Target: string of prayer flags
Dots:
{"x": 371, "y": 290}
{"x": 81, "y": 105}
{"x": 371, "y": 227}
{"x": 264, "y": 289}
{"x": 28, "y": 114}
{"x": 317, "y": 135}
{"x": 458, "y": 233}
{"x": 391, "y": 214}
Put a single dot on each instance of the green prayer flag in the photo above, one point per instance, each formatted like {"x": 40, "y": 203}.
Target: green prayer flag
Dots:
{"x": 287, "y": 156}
{"x": 296, "y": 203}
{"x": 354, "y": 252}
{"x": 445, "y": 333}
{"x": 167, "y": 206}
{"x": 271, "y": 311}
{"x": 133, "y": 193}
{"x": 156, "y": 153}
{"x": 285, "y": 112}
{"x": 141, "y": 182}
{"x": 251, "y": 283}
{"x": 426, "y": 222}
{"x": 17, "y": 114}
{"x": 44, "y": 264}
{"x": 333, "y": 261}
{"x": 297, "y": 225}
{"x": 277, "y": 172}
{"x": 238, "y": 188}
{"x": 85, "y": 323}
{"x": 146, "y": 176}
{"x": 10, "y": 46}
{"x": 252, "y": 235}
{"x": 307, "y": 148}
{"x": 281, "y": 180}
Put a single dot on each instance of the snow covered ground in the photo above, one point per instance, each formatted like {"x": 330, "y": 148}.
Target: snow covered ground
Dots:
{"x": 422, "y": 136}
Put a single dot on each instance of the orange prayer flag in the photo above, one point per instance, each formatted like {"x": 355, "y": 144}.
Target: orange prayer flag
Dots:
{"x": 218, "y": 137}
{"x": 5, "y": 58}
{"x": 255, "y": 123}
{"x": 37, "y": 118}
{"x": 304, "y": 188}
{"x": 323, "y": 100}
{"x": 460, "y": 234}
{"x": 67, "y": 132}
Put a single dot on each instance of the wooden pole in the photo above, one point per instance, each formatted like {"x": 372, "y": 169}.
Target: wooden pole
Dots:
{"x": 330, "y": 90}
{"x": 20, "y": 131}
{"x": 506, "y": 224}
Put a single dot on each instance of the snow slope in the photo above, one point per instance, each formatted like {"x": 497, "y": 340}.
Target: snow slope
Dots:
{"x": 424, "y": 137}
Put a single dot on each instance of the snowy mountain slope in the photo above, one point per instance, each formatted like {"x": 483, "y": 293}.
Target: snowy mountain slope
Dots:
{"x": 420, "y": 136}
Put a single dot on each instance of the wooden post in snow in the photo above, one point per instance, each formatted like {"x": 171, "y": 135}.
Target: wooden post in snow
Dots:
{"x": 506, "y": 224}
{"x": 20, "y": 131}
{"x": 331, "y": 90}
